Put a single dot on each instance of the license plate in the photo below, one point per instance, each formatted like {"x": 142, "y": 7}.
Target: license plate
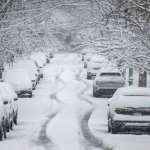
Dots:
{"x": 137, "y": 114}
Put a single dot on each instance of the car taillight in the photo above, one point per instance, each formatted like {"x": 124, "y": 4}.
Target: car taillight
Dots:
{"x": 120, "y": 110}
{"x": 97, "y": 92}
{"x": 89, "y": 73}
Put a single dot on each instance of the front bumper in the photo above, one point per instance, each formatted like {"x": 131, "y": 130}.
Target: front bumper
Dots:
{"x": 23, "y": 92}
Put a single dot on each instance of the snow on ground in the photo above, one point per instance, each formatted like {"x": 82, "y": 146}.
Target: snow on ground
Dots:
{"x": 63, "y": 115}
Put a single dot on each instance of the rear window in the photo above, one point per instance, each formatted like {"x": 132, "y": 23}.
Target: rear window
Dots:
{"x": 110, "y": 74}
{"x": 96, "y": 68}
{"x": 110, "y": 84}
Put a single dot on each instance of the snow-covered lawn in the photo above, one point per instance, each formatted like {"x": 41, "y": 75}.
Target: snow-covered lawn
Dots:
{"x": 62, "y": 111}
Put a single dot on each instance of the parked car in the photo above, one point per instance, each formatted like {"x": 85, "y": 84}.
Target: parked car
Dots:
{"x": 9, "y": 107}
{"x": 2, "y": 119}
{"x": 83, "y": 55}
{"x": 95, "y": 64}
{"x": 42, "y": 57}
{"x": 51, "y": 55}
{"x": 47, "y": 59}
{"x": 87, "y": 59}
{"x": 38, "y": 63}
{"x": 107, "y": 81}
{"x": 129, "y": 110}
{"x": 10, "y": 91}
{"x": 30, "y": 69}
{"x": 20, "y": 81}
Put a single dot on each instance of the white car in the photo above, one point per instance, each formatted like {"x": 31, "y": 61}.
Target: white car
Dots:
{"x": 38, "y": 63}
{"x": 20, "y": 81}
{"x": 42, "y": 57}
{"x": 83, "y": 55}
{"x": 28, "y": 66}
{"x": 107, "y": 81}
{"x": 10, "y": 91}
{"x": 2, "y": 119}
{"x": 129, "y": 110}
{"x": 87, "y": 59}
{"x": 51, "y": 54}
{"x": 95, "y": 64}
{"x": 9, "y": 107}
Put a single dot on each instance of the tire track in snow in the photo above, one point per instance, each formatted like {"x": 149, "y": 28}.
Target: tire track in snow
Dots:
{"x": 54, "y": 95}
{"x": 42, "y": 138}
{"x": 89, "y": 137}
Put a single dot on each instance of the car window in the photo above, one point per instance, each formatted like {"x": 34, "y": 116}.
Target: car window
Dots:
{"x": 110, "y": 84}
{"x": 110, "y": 74}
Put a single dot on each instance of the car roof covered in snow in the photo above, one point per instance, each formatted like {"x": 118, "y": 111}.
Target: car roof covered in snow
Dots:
{"x": 98, "y": 58}
{"x": 95, "y": 65}
{"x": 134, "y": 91}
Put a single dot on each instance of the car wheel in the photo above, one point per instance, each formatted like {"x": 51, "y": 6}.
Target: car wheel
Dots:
{"x": 113, "y": 130}
{"x": 16, "y": 119}
{"x": 8, "y": 127}
{"x": 2, "y": 133}
{"x": 109, "y": 128}
{"x": 11, "y": 125}
{"x": 30, "y": 96}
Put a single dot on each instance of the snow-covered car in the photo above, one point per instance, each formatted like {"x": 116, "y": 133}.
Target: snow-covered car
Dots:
{"x": 30, "y": 68}
{"x": 87, "y": 59}
{"x": 20, "y": 81}
{"x": 129, "y": 110}
{"x": 38, "y": 64}
{"x": 10, "y": 91}
{"x": 83, "y": 55}
{"x": 42, "y": 57}
{"x": 51, "y": 55}
{"x": 9, "y": 107}
{"x": 47, "y": 59}
{"x": 95, "y": 64}
{"x": 2, "y": 119}
{"x": 107, "y": 81}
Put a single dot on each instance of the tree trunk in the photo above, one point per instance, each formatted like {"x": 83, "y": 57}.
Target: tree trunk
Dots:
{"x": 130, "y": 72}
{"x": 143, "y": 79}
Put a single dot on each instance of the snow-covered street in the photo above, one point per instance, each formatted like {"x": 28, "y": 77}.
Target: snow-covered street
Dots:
{"x": 63, "y": 115}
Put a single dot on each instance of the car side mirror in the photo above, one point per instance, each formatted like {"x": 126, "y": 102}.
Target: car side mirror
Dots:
{"x": 5, "y": 102}
{"x": 107, "y": 104}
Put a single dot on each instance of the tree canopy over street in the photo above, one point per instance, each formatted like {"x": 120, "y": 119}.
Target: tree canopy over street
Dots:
{"x": 118, "y": 29}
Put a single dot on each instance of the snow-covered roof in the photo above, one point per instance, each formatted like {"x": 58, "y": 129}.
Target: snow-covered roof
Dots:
{"x": 95, "y": 65}
{"x": 134, "y": 91}
{"x": 109, "y": 69}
